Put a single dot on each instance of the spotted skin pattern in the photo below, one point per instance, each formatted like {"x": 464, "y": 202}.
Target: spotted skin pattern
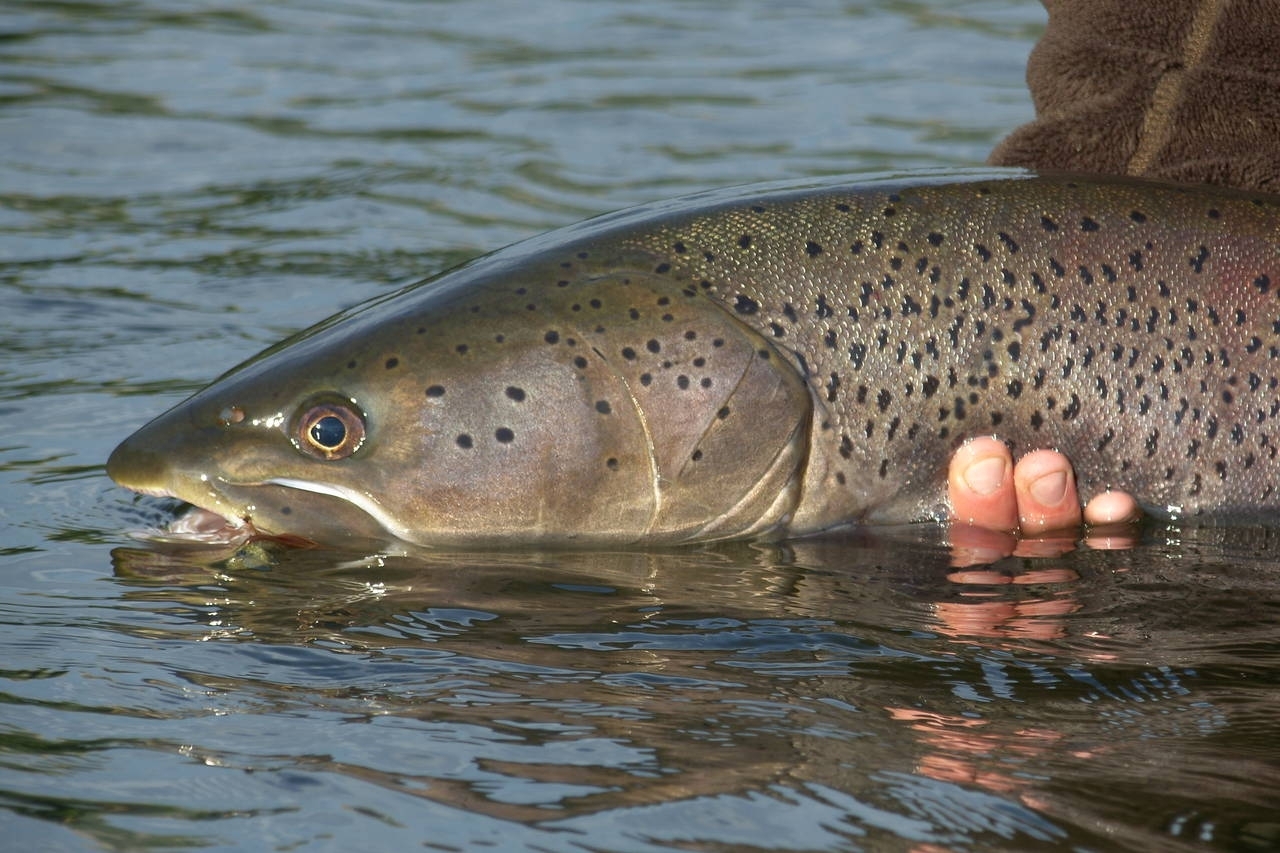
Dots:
{"x": 766, "y": 363}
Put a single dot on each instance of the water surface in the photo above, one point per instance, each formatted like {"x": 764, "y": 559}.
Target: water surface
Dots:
{"x": 182, "y": 184}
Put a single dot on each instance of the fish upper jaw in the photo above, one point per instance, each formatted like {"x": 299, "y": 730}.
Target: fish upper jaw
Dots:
{"x": 141, "y": 466}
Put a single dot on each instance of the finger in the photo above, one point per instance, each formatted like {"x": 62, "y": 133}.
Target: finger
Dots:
{"x": 1045, "y": 486}
{"x": 1112, "y": 507}
{"x": 980, "y": 485}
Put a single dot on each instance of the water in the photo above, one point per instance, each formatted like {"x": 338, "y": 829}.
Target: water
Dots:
{"x": 182, "y": 184}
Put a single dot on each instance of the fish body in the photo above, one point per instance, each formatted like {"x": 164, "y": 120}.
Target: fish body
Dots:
{"x": 764, "y": 362}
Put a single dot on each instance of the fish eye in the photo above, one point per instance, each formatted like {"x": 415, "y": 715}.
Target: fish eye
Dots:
{"x": 329, "y": 430}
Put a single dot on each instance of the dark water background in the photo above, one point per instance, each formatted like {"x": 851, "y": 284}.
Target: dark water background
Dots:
{"x": 183, "y": 183}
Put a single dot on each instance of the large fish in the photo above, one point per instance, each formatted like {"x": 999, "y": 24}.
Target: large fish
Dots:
{"x": 769, "y": 362}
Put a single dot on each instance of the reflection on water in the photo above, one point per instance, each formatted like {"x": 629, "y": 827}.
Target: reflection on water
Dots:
{"x": 185, "y": 183}
{"x": 709, "y": 696}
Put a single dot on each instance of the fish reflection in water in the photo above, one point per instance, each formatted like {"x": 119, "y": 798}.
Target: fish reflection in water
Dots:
{"x": 864, "y": 678}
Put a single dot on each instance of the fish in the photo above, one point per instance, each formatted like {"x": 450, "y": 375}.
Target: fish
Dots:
{"x": 764, "y": 362}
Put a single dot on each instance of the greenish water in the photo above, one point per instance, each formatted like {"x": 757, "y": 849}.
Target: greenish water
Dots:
{"x": 181, "y": 184}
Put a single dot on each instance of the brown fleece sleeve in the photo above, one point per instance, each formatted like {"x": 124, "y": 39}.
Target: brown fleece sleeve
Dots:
{"x": 1184, "y": 90}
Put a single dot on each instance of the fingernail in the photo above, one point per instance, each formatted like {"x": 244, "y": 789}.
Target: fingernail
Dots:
{"x": 986, "y": 475}
{"x": 1050, "y": 489}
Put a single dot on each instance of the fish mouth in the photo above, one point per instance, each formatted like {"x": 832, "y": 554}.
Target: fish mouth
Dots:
{"x": 197, "y": 525}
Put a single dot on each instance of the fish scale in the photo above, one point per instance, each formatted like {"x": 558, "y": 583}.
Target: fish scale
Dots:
{"x": 773, "y": 361}
{"x": 1133, "y": 326}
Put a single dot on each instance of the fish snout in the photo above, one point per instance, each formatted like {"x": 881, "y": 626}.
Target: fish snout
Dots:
{"x": 139, "y": 464}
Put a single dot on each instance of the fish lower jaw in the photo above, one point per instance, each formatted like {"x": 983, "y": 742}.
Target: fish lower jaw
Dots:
{"x": 200, "y": 523}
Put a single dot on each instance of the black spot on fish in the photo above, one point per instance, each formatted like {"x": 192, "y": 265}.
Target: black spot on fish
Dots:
{"x": 461, "y": 349}
{"x": 662, "y": 268}
{"x": 580, "y": 363}
{"x": 435, "y": 390}
{"x": 392, "y": 363}
{"x": 1009, "y": 242}
{"x": 611, "y": 464}
{"x": 504, "y": 435}
{"x": 983, "y": 252}
{"x": 464, "y": 441}
{"x": 746, "y": 305}
{"x": 653, "y": 346}
{"x": 646, "y": 379}
{"x": 552, "y": 337}
{"x": 683, "y": 382}
{"x": 706, "y": 382}
{"x": 1197, "y": 262}
{"x": 1087, "y": 224}
{"x": 1138, "y": 216}
{"x": 603, "y": 407}
{"x": 723, "y": 412}
{"x": 516, "y": 394}
{"x": 745, "y": 241}
{"x": 935, "y": 239}
{"x": 628, "y": 353}
{"x": 351, "y": 365}
{"x": 812, "y": 248}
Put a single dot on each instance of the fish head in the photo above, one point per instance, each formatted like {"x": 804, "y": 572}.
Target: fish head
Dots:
{"x": 498, "y": 406}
